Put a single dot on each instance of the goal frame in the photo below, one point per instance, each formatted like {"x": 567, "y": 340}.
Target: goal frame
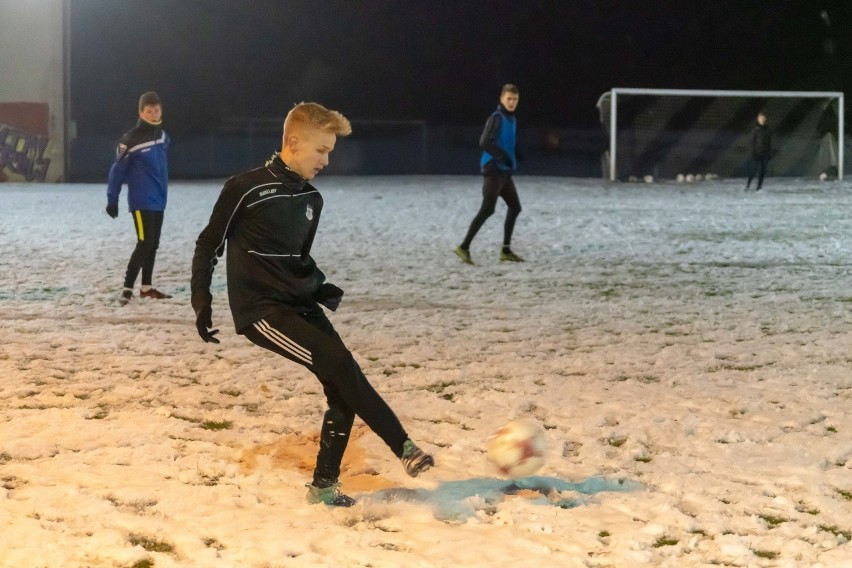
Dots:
{"x": 613, "y": 102}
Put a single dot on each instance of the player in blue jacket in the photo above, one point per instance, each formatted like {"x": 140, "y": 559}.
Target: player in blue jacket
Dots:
{"x": 498, "y": 162}
{"x": 140, "y": 161}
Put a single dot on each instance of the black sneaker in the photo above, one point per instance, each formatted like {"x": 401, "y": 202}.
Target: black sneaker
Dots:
{"x": 330, "y": 496}
{"x": 154, "y": 294}
{"x": 415, "y": 460}
{"x": 125, "y": 297}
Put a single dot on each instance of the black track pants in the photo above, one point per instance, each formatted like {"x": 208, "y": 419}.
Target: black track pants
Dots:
{"x": 758, "y": 166}
{"x": 492, "y": 188}
{"x": 148, "y": 225}
{"x": 311, "y": 341}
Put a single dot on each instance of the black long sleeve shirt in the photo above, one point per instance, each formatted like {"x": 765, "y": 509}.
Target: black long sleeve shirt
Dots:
{"x": 267, "y": 219}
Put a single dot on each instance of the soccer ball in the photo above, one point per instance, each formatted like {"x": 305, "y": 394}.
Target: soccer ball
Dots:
{"x": 517, "y": 449}
{"x": 680, "y": 178}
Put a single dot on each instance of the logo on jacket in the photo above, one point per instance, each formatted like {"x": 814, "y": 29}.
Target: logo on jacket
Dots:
{"x": 309, "y": 213}
{"x": 268, "y": 191}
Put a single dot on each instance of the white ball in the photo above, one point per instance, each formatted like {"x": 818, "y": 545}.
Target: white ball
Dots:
{"x": 648, "y": 179}
{"x": 690, "y": 178}
{"x": 517, "y": 449}
{"x": 679, "y": 178}
{"x": 823, "y": 176}
{"x": 699, "y": 177}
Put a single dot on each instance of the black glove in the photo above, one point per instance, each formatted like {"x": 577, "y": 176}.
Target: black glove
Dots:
{"x": 203, "y": 323}
{"x": 112, "y": 211}
{"x": 329, "y": 296}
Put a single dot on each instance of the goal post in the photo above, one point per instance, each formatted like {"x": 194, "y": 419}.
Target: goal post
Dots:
{"x": 666, "y": 132}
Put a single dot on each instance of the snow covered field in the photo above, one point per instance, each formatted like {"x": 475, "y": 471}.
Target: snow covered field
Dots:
{"x": 687, "y": 348}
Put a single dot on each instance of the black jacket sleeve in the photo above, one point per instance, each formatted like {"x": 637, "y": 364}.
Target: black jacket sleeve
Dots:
{"x": 211, "y": 244}
{"x": 488, "y": 140}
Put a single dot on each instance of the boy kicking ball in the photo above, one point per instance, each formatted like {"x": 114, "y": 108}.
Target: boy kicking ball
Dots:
{"x": 267, "y": 218}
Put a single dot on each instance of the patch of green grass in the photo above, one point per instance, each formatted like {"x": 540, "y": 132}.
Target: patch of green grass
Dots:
{"x": 150, "y": 544}
{"x": 603, "y": 534}
{"x": 665, "y": 541}
{"x": 735, "y": 367}
{"x": 644, "y": 379}
{"x": 213, "y": 543}
{"x": 836, "y": 531}
{"x": 768, "y": 554}
{"x": 144, "y": 564}
{"x": 231, "y": 392}
{"x": 186, "y": 418}
{"x": 772, "y": 520}
{"x": 831, "y": 429}
{"x": 616, "y": 441}
{"x": 217, "y": 425}
{"x": 99, "y": 414}
{"x": 699, "y": 531}
{"x": 438, "y": 388}
{"x": 845, "y": 494}
{"x": 802, "y": 508}
{"x": 643, "y": 459}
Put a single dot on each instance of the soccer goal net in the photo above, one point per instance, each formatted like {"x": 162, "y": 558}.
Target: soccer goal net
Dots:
{"x": 675, "y": 134}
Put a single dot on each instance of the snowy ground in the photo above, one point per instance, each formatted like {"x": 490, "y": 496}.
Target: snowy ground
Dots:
{"x": 687, "y": 348}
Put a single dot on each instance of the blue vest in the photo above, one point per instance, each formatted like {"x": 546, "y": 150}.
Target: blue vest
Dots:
{"x": 505, "y": 139}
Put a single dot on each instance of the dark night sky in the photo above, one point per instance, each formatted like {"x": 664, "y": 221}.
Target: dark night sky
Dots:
{"x": 442, "y": 61}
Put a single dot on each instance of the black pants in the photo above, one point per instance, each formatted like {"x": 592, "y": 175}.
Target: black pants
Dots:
{"x": 148, "y": 225}
{"x": 311, "y": 341}
{"x": 758, "y": 166}
{"x": 492, "y": 188}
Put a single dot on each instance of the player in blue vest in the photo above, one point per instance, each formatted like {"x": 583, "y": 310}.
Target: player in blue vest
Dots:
{"x": 498, "y": 162}
{"x": 140, "y": 161}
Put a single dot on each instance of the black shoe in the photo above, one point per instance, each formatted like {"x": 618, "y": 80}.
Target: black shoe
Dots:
{"x": 330, "y": 496}
{"x": 154, "y": 294}
{"x": 125, "y": 297}
{"x": 415, "y": 460}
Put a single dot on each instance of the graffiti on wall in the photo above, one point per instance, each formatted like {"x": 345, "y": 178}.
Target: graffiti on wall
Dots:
{"x": 24, "y": 142}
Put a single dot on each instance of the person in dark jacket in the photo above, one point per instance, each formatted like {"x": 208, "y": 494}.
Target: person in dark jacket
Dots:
{"x": 497, "y": 163}
{"x": 761, "y": 150}
{"x": 267, "y": 218}
{"x": 140, "y": 161}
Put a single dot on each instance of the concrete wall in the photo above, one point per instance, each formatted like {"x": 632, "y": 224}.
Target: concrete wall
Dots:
{"x": 32, "y": 90}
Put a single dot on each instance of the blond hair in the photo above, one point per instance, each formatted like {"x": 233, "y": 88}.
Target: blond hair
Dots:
{"x": 314, "y": 115}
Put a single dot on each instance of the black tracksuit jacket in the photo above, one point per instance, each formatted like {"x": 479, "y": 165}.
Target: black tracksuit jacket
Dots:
{"x": 268, "y": 218}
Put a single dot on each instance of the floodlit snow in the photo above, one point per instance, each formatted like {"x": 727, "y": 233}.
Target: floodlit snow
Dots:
{"x": 686, "y": 348}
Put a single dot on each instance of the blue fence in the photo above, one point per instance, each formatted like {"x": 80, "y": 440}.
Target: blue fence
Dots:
{"x": 377, "y": 150}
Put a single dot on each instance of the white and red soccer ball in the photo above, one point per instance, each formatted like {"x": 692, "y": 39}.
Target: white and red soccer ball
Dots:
{"x": 517, "y": 449}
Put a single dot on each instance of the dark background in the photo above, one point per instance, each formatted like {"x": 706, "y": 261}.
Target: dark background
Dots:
{"x": 439, "y": 61}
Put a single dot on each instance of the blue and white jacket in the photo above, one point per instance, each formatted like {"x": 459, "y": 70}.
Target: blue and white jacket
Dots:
{"x": 498, "y": 143}
{"x": 141, "y": 162}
